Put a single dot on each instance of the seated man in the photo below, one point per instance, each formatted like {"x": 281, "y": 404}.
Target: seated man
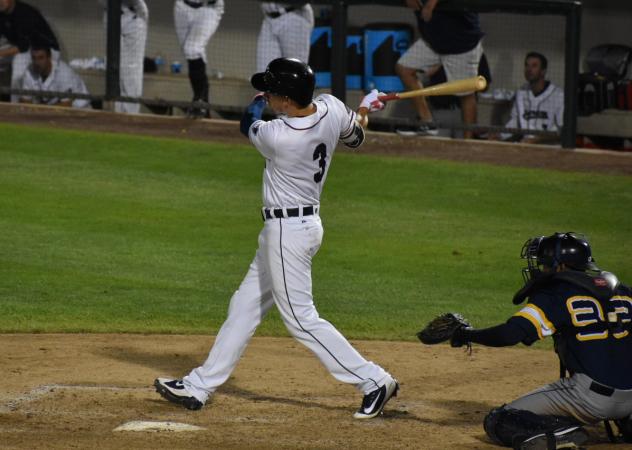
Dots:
{"x": 538, "y": 105}
{"x": 48, "y": 75}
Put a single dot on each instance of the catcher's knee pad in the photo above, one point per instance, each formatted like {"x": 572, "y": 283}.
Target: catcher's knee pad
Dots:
{"x": 503, "y": 424}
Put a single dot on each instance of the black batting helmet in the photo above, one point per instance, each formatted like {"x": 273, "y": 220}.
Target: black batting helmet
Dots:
{"x": 570, "y": 249}
{"x": 287, "y": 77}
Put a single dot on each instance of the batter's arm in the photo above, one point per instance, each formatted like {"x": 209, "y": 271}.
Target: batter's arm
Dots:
{"x": 253, "y": 112}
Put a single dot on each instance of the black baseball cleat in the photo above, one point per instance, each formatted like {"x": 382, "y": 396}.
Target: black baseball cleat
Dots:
{"x": 373, "y": 402}
{"x": 175, "y": 392}
{"x": 567, "y": 437}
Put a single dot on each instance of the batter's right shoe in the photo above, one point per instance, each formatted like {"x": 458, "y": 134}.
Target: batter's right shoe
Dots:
{"x": 175, "y": 392}
{"x": 373, "y": 402}
{"x": 567, "y": 437}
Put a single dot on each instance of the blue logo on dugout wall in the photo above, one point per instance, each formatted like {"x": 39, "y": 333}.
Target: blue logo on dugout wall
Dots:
{"x": 383, "y": 46}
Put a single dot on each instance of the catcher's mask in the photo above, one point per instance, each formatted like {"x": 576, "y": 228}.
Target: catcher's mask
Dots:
{"x": 546, "y": 253}
{"x": 287, "y": 77}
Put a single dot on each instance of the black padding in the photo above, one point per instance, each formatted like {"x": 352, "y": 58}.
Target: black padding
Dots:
{"x": 198, "y": 79}
{"x": 503, "y": 424}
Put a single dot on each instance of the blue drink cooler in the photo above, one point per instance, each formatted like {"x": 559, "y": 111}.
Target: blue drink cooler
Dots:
{"x": 384, "y": 44}
{"x": 320, "y": 57}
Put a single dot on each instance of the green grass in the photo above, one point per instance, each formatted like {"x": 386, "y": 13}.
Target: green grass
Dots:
{"x": 116, "y": 233}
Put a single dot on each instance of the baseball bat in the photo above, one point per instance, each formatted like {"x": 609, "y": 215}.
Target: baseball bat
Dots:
{"x": 451, "y": 87}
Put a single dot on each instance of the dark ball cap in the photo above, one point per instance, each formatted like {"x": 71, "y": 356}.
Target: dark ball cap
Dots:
{"x": 287, "y": 77}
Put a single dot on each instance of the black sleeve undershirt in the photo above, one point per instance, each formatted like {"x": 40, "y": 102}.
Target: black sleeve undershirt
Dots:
{"x": 503, "y": 335}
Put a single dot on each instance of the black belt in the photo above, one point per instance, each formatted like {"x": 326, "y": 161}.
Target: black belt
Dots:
{"x": 601, "y": 389}
{"x": 277, "y": 14}
{"x": 272, "y": 213}
{"x": 200, "y": 4}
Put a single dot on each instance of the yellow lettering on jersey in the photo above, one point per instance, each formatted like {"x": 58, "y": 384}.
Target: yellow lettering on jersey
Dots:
{"x": 586, "y": 311}
{"x": 623, "y": 311}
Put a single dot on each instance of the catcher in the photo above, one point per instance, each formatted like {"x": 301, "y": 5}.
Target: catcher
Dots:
{"x": 589, "y": 314}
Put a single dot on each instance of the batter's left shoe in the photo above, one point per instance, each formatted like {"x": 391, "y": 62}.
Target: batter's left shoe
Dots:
{"x": 175, "y": 392}
{"x": 567, "y": 438}
{"x": 373, "y": 402}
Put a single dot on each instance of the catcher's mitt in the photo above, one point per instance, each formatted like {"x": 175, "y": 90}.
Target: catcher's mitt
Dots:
{"x": 441, "y": 328}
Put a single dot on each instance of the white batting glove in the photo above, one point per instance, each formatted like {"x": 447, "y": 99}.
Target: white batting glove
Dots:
{"x": 371, "y": 101}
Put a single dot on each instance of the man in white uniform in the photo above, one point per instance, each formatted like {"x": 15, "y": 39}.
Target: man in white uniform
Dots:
{"x": 196, "y": 21}
{"x": 134, "y": 17}
{"x": 47, "y": 74}
{"x": 285, "y": 32}
{"x": 298, "y": 149}
{"x": 539, "y": 104}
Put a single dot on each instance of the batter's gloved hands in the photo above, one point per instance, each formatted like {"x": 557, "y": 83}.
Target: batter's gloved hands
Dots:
{"x": 443, "y": 328}
{"x": 371, "y": 101}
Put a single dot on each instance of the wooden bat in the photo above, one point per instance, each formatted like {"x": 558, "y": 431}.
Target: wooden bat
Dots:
{"x": 451, "y": 87}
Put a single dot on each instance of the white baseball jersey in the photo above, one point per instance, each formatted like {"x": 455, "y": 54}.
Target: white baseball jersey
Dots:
{"x": 287, "y": 35}
{"x": 298, "y": 153}
{"x": 195, "y": 25}
{"x": 61, "y": 79}
{"x": 299, "y": 150}
{"x": 538, "y": 112}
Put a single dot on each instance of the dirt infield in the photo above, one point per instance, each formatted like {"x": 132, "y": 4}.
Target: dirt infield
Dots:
{"x": 500, "y": 153}
{"x": 73, "y": 390}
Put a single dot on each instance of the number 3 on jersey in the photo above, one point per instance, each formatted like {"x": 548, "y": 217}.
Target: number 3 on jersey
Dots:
{"x": 320, "y": 154}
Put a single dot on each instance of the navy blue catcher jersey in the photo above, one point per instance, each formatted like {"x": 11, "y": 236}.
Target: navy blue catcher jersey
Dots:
{"x": 578, "y": 323}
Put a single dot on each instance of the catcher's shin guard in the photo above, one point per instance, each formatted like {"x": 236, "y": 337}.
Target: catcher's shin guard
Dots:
{"x": 503, "y": 425}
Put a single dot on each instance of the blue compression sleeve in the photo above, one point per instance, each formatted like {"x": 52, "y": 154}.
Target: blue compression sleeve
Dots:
{"x": 253, "y": 113}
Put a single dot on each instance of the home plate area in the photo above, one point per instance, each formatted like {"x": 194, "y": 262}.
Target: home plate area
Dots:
{"x": 148, "y": 425}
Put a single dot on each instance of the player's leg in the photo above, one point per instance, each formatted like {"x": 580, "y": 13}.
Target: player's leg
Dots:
{"x": 202, "y": 27}
{"x": 418, "y": 58}
{"x": 295, "y": 37}
{"x": 289, "y": 247}
{"x": 268, "y": 47}
{"x": 464, "y": 65}
{"x": 247, "y": 308}
{"x": 131, "y": 67}
{"x": 562, "y": 405}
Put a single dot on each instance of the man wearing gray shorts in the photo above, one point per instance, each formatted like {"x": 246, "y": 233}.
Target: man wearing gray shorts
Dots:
{"x": 589, "y": 314}
{"x": 448, "y": 39}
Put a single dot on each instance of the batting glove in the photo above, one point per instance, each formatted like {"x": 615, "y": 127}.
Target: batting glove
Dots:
{"x": 371, "y": 101}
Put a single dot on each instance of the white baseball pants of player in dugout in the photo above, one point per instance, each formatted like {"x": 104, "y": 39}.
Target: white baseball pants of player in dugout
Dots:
{"x": 281, "y": 274}
{"x": 196, "y": 25}
{"x": 134, "y": 17}
{"x": 284, "y": 34}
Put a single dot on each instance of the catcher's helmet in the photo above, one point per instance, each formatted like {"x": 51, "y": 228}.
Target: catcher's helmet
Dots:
{"x": 570, "y": 249}
{"x": 288, "y": 77}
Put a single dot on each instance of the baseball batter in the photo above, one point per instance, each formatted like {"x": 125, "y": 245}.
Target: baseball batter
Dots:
{"x": 298, "y": 148}
{"x": 196, "y": 21}
{"x": 589, "y": 314}
{"x": 285, "y": 32}
{"x": 539, "y": 104}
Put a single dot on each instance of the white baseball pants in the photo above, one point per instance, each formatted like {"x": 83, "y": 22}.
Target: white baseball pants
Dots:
{"x": 280, "y": 274}
{"x": 286, "y": 36}
{"x": 195, "y": 26}
{"x": 133, "y": 38}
